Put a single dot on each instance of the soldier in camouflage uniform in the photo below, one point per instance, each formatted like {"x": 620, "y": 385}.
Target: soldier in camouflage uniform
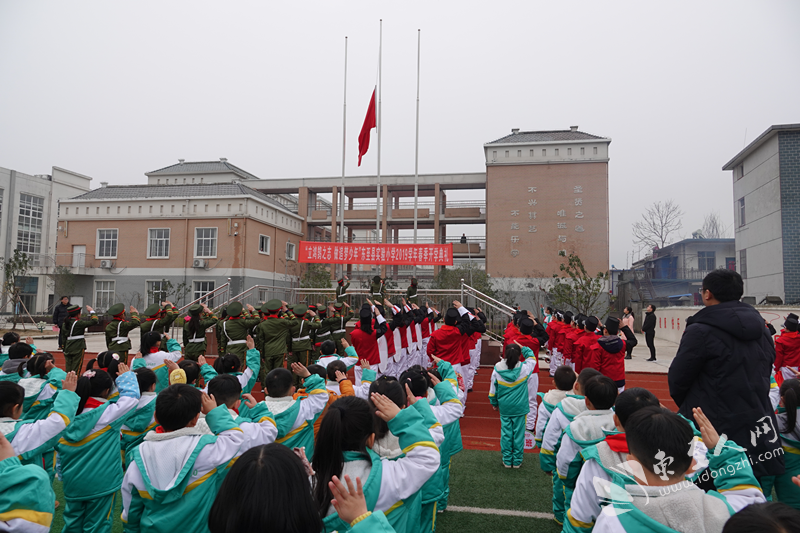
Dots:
{"x": 341, "y": 289}
{"x": 411, "y": 292}
{"x": 339, "y": 325}
{"x": 117, "y": 339}
{"x": 194, "y": 331}
{"x": 272, "y": 337}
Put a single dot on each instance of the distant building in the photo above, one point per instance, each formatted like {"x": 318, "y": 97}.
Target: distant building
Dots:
{"x": 766, "y": 196}
{"x": 28, "y": 222}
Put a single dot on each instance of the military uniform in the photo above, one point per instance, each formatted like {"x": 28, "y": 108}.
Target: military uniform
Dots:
{"x": 117, "y": 339}
{"x": 235, "y": 329}
{"x": 411, "y": 292}
{"x": 74, "y": 341}
{"x": 339, "y": 322}
{"x": 323, "y": 332}
{"x": 301, "y": 330}
{"x": 341, "y": 291}
{"x": 376, "y": 290}
{"x": 194, "y": 344}
{"x": 272, "y": 338}
{"x": 157, "y": 319}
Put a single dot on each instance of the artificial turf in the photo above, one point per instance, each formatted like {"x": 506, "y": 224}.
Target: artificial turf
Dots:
{"x": 477, "y": 479}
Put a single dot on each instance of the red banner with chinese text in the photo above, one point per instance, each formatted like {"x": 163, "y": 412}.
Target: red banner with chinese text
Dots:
{"x": 376, "y": 254}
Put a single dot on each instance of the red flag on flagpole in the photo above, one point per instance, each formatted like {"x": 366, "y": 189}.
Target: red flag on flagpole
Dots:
{"x": 369, "y": 123}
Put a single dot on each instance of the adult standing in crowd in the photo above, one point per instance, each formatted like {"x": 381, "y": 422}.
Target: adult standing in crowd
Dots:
{"x": 626, "y": 328}
{"x": 59, "y": 314}
{"x": 723, "y": 366}
{"x": 649, "y": 330}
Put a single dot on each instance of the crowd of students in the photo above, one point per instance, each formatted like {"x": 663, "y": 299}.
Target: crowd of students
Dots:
{"x": 184, "y": 442}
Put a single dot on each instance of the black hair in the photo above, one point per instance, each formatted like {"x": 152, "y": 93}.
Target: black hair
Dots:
{"x": 424, "y": 373}
{"x": 601, "y": 391}
{"x": 20, "y": 350}
{"x": 333, "y": 366}
{"x": 11, "y": 395}
{"x": 612, "y": 326}
{"x": 653, "y": 430}
{"x": 10, "y": 338}
{"x": 790, "y": 392}
{"x": 150, "y": 340}
{"x": 654, "y": 306}
{"x": 226, "y": 389}
{"x": 267, "y": 485}
{"x": 726, "y": 285}
{"x": 365, "y": 323}
{"x": 192, "y": 370}
{"x": 512, "y": 355}
{"x": 194, "y": 323}
{"x": 587, "y": 374}
{"x": 318, "y": 370}
{"x": 278, "y": 382}
{"x": 327, "y": 348}
{"x": 228, "y": 363}
{"x": 36, "y": 365}
{"x": 98, "y": 385}
{"x": 627, "y": 309}
{"x": 436, "y": 374}
{"x": 146, "y": 378}
{"x": 106, "y": 361}
{"x": 177, "y": 405}
{"x": 768, "y": 517}
{"x": 392, "y": 389}
{"x": 568, "y": 317}
{"x": 416, "y": 382}
{"x": 631, "y": 400}
{"x": 346, "y": 427}
{"x": 564, "y": 377}
{"x": 549, "y": 309}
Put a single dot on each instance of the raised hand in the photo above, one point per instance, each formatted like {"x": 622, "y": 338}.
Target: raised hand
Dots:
{"x": 434, "y": 380}
{"x": 456, "y": 304}
{"x": 345, "y": 344}
{"x": 29, "y": 340}
{"x": 249, "y": 401}
{"x": 49, "y": 365}
{"x": 348, "y": 501}
{"x": 133, "y": 310}
{"x": 386, "y": 408}
{"x": 300, "y": 370}
{"x": 368, "y": 301}
{"x": 171, "y": 366}
{"x": 340, "y": 376}
{"x": 710, "y": 436}
{"x": 122, "y": 368}
{"x": 208, "y": 403}
{"x": 201, "y": 360}
{"x": 250, "y": 343}
{"x": 364, "y": 364}
{"x": 70, "y": 382}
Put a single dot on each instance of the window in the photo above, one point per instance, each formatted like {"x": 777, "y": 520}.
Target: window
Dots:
{"x": 742, "y": 219}
{"x": 140, "y": 210}
{"x": 118, "y": 210}
{"x": 494, "y": 154}
{"x": 263, "y": 244}
{"x": 290, "y": 250}
{"x": 1, "y": 206}
{"x": 730, "y": 263}
{"x": 582, "y": 150}
{"x": 129, "y": 210}
{"x": 103, "y": 295}
{"x": 157, "y": 291}
{"x": 743, "y": 263}
{"x": 205, "y": 242}
{"x": 506, "y": 153}
{"x": 569, "y": 151}
{"x": 97, "y": 210}
{"x": 87, "y": 210}
{"x": 29, "y": 229}
{"x": 740, "y": 171}
{"x": 161, "y": 209}
{"x": 594, "y": 149}
{"x": 201, "y": 289}
{"x": 107, "y": 243}
{"x": 28, "y": 292}
{"x": 158, "y": 243}
{"x": 556, "y": 151}
{"x": 544, "y": 152}
{"x": 151, "y": 208}
{"x": 519, "y": 153}
{"x": 706, "y": 260}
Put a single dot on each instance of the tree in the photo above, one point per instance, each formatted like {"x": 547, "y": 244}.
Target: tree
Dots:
{"x": 315, "y": 276}
{"x": 659, "y": 223}
{"x": 168, "y": 291}
{"x": 575, "y": 288}
{"x": 713, "y": 228}
{"x": 62, "y": 281}
{"x": 15, "y": 270}
{"x": 471, "y": 273}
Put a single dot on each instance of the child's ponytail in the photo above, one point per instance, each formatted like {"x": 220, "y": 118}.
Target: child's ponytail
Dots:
{"x": 346, "y": 427}
{"x": 227, "y": 364}
{"x": 36, "y": 365}
{"x": 512, "y": 354}
{"x": 92, "y": 383}
{"x": 108, "y": 361}
{"x": 790, "y": 392}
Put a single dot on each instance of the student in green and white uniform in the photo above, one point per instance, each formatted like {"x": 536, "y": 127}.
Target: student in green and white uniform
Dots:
{"x": 18, "y": 354}
{"x": 194, "y": 331}
{"x": 345, "y": 442}
{"x": 118, "y": 330}
{"x": 230, "y": 364}
{"x": 235, "y": 329}
{"x": 664, "y": 501}
{"x": 142, "y": 420}
{"x": 564, "y": 413}
{"x": 9, "y": 339}
{"x": 789, "y": 430}
{"x": 328, "y": 354}
{"x": 508, "y": 393}
{"x": 586, "y": 429}
{"x": 27, "y": 499}
{"x": 89, "y": 450}
{"x": 153, "y": 354}
{"x": 41, "y": 386}
{"x": 564, "y": 379}
{"x": 73, "y": 336}
{"x": 173, "y": 476}
{"x": 295, "y": 418}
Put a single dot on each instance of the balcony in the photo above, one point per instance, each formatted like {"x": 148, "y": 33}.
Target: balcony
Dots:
{"x": 80, "y": 264}
{"x": 468, "y": 212}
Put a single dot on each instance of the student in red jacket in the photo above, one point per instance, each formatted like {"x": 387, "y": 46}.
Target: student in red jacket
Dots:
{"x": 581, "y": 353}
{"x": 787, "y": 349}
{"x": 571, "y": 336}
{"x": 449, "y": 342}
{"x": 553, "y": 329}
{"x": 610, "y": 353}
{"x": 365, "y": 339}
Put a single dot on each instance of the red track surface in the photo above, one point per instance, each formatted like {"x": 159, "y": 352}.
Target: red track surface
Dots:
{"x": 480, "y": 426}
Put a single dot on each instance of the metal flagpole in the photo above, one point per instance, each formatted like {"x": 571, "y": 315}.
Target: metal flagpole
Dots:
{"x": 344, "y": 151}
{"x": 380, "y": 89}
{"x": 416, "y": 155}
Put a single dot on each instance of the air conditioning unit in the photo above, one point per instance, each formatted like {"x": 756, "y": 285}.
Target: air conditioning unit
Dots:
{"x": 106, "y": 263}
{"x": 199, "y": 263}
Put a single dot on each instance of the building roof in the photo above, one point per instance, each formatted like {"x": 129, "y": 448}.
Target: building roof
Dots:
{"x": 202, "y": 190}
{"x": 202, "y": 167}
{"x": 525, "y": 137}
{"x": 761, "y": 139}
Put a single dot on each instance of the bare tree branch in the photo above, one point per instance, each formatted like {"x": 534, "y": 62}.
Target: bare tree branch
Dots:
{"x": 713, "y": 228}
{"x": 659, "y": 223}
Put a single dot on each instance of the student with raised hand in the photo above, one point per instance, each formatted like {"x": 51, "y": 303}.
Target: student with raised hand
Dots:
{"x": 142, "y": 420}
{"x": 27, "y": 500}
{"x": 345, "y": 449}
{"x": 42, "y": 383}
{"x": 18, "y": 354}
{"x": 118, "y": 330}
{"x": 563, "y": 379}
{"x": 231, "y": 364}
{"x": 329, "y": 354}
{"x": 174, "y": 474}
{"x": 365, "y": 338}
{"x": 72, "y": 335}
{"x": 89, "y": 449}
{"x": 156, "y": 349}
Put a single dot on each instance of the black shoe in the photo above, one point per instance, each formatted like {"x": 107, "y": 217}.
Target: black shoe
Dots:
{"x": 652, "y": 359}
{"x": 470, "y": 390}
{"x": 628, "y": 357}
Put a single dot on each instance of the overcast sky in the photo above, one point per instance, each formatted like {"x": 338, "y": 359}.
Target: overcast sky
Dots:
{"x": 115, "y": 89}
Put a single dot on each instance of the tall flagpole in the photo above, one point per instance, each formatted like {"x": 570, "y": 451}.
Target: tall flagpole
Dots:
{"x": 416, "y": 155}
{"x": 344, "y": 151}
{"x": 380, "y": 89}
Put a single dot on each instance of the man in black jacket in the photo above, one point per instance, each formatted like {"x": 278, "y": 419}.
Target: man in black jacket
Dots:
{"x": 723, "y": 366}
{"x": 59, "y": 314}
{"x": 649, "y": 330}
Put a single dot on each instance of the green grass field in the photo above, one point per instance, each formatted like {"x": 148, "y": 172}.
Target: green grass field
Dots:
{"x": 477, "y": 479}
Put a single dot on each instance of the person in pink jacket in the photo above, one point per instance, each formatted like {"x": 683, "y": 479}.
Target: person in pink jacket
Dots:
{"x": 627, "y": 321}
